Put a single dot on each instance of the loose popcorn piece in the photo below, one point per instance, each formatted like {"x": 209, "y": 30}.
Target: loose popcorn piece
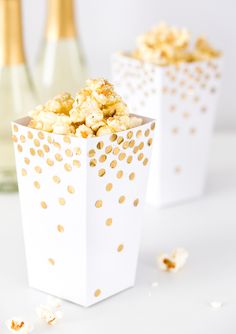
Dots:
{"x": 54, "y": 302}
{"x": 18, "y": 325}
{"x": 164, "y": 45}
{"x": 174, "y": 261}
{"x": 155, "y": 284}
{"x": 96, "y": 110}
{"x": 48, "y": 315}
{"x": 216, "y": 304}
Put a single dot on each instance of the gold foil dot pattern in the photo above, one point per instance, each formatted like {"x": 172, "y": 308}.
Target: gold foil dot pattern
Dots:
{"x": 23, "y": 172}
{"x": 76, "y": 163}
{"x": 60, "y": 228}
{"x": 132, "y": 176}
{"x": 109, "y": 187}
{"x": 71, "y": 189}
{"x": 27, "y": 161}
{"x": 38, "y": 169}
{"x": 121, "y": 199}
{"x": 50, "y": 162}
{"x": 93, "y": 163}
{"x": 101, "y": 172}
{"x": 56, "y": 179}
{"x": 58, "y": 157}
{"x": 136, "y": 202}
{"x": 103, "y": 158}
{"x": 36, "y": 184}
{"x": 120, "y": 248}
{"x": 51, "y": 262}
{"x": 68, "y": 167}
{"x": 97, "y": 293}
{"x": 98, "y": 203}
{"x": 61, "y": 201}
{"x": 32, "y": 151}
{"x": 119, "y": 174}
{"x": 109, "y": 221}
{"x": 44, "y": 205}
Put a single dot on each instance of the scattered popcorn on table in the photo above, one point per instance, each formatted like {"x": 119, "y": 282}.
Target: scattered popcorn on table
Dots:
{"x": 165, "y": 45}
{"x": 173, "y": 262}
{"x": 18, "y": 325}
{"x": 96, "y": 110}
{"x": 47, "y": 314}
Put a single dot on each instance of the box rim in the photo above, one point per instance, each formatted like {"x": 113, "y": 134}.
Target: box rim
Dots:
{"x": 142, "y": 62}
{"x": 20, "y": 122}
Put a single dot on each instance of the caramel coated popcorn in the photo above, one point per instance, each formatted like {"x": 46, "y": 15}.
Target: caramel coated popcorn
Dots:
{"x": 18, "y": 325}
{"x": 47, "y": 314}
{"x": 173, "y": 262}
{"x": 96, "y": 110}
{"x": 164, "y": 45}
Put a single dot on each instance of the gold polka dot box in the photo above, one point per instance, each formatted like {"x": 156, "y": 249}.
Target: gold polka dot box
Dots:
{"x": 183, "y": 98}
{"x": 82, "y": 205}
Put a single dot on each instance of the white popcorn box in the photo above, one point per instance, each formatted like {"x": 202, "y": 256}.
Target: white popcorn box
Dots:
{"x": 183, "y": 99}
{"x": 82, "y": 204}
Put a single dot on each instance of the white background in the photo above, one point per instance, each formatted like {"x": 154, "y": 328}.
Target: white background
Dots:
{"x": 107, "y": 25}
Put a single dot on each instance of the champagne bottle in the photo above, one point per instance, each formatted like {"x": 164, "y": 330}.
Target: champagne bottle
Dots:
{"x": 17, "y": 94}
{"x": 60, "y": 66}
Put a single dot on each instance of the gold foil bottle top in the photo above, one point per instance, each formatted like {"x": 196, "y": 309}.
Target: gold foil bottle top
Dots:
{"x": 60, "y": 20}
{"x": 11, "y": 42}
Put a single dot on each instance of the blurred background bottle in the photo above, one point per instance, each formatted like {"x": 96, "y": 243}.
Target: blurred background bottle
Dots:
{"x": 17, "y": 94}
{"x": 60, "y": 66}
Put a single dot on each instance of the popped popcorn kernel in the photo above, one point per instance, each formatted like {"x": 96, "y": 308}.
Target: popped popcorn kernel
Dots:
{"x": 103, "y": 130}
{"x": 164, "y": 45}
{"x": 93, "y": 118}
{"x": 118, "y": 123}
{"x": 61, "y": 103}
{"x": 84, "y": 131}
{"x": 134, "y": 122}
{"x": 18, "y": 325}
{"x": 54, "y": 302}
{"x": 173, "y": 262}
{"x": 203, "y": 49}
{"x": 48, "y": 315}
{"x": 96, "y": 110}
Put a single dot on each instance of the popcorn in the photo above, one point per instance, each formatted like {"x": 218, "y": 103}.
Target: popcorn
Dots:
{"x": 94, "y": 118}
{"x": 164, "y": 45}
{"x": 18, "y": 325}
{"x": 54, "y": 302}
{"x": 216, "y": 304}
{"x": 104, "y": 130}
{"x": 173, "y": 262}
{"x": 47, "y": 314}
{"x": 203, "y": 50}
{"x": 84, "y": 132}
{"x": 134, "y": 122}
{"x": 61, "y": 104}
{"x": 96, "y": 110}
{"x": 118, "y": 123}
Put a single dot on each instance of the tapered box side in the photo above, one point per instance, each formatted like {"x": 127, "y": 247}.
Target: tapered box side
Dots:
{"x": 81, "y": 202}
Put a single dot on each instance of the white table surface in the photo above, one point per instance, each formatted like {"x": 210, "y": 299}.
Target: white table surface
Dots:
{"x": 180, "y": 303}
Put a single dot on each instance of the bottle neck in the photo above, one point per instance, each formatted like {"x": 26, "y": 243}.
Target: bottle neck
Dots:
{"x": 60, "y": 20}
{"x": 11, "y": 42}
